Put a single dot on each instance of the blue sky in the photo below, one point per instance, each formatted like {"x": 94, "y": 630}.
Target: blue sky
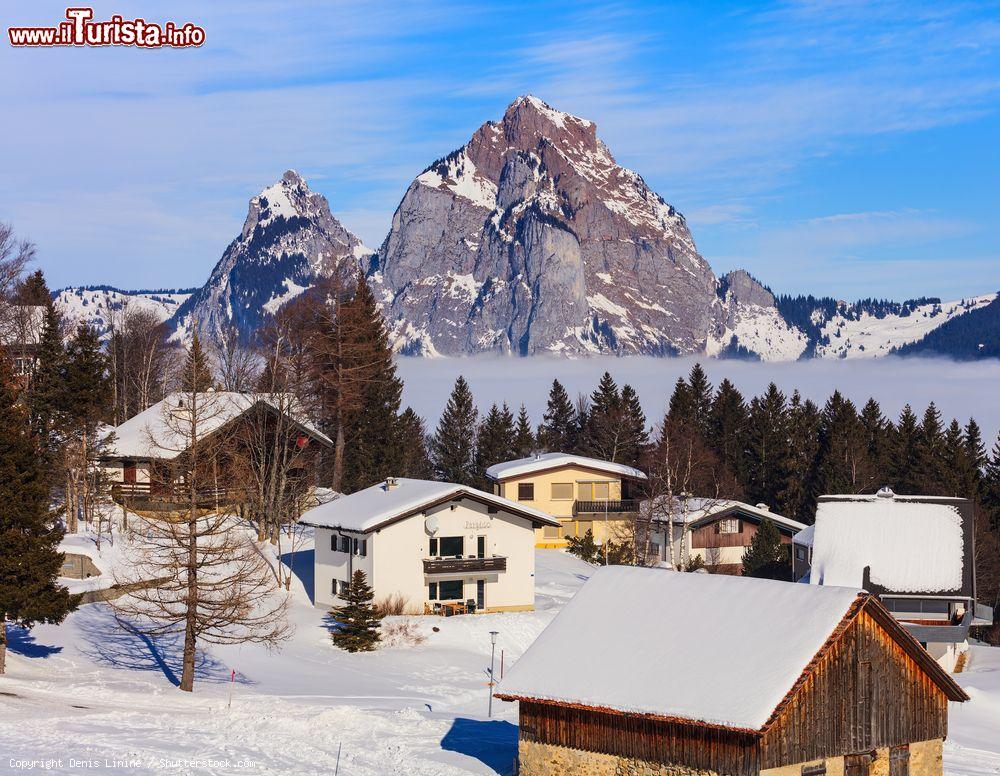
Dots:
{"x": 841, "y": 148}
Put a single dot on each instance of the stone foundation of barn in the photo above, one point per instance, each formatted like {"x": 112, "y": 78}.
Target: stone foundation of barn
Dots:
{"x": 537, "y": 759}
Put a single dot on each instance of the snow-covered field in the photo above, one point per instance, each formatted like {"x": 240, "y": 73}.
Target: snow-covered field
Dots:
{"x": 89, "y": 691}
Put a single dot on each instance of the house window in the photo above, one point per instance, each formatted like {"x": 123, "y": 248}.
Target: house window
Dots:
{"x": 731, "y": 525}
{"x": 551, "y": 532}
{"x": 340, "y": 585}
{"x": 361, "y": 547}
{"x": 432, "y": 591}
{"x": 345, "y": 544}
{"x": 432, "y": 549}
{"x": 562, "y": 491}
{"x": 525, "y": 491}
{"x": 451, "y": 590}
{"x": 595, "y": 491}
{"x": 800, "y": 553}
{"x": 451, "y": 546}
{"x": 333, "y": 542}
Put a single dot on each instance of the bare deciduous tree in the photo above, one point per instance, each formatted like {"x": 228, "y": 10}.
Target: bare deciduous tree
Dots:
{"x": 211, "y": 580}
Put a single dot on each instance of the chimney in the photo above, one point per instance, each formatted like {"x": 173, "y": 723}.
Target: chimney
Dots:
{"x": 764, "y": 507}
{"x": 885, "y": 492}
{"x": 391, "y": 483}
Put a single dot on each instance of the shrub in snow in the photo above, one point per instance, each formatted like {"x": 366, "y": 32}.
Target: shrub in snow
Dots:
{"x": 358, "y": 619}
{"x": 401, "y": 633}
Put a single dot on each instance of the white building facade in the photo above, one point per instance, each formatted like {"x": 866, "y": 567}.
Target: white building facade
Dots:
{"x": 434, "y": 544}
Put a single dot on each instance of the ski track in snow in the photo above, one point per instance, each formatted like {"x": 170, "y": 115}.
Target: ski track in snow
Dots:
{"x": 88, "y": 690}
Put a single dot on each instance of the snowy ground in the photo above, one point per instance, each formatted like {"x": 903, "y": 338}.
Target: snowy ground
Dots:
{"x": 88, "y": 691}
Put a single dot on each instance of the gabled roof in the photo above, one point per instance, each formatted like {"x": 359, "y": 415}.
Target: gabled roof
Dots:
{"x": 155, "y": 432}
{"x": 546, "y": 461}
{"x": 911, "y": 544}
{"x": 378, "y": 505}
{"x": 652, "y": 622}
{"x": 705, "y": 510}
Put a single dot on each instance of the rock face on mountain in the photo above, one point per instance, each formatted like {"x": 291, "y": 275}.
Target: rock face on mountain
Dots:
{"x": 532, "y": 239}
{"x": 289, "y": 239}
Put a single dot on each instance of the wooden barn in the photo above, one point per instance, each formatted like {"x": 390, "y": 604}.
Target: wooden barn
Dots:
{"x": 652, "y": 671}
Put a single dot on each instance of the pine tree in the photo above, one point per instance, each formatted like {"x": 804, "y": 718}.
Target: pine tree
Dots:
{"x": 903, "y": 444}
{"x": 33, "y": 291}
{"x": 767, "y": 448}
{"x": 585, "y": 548}
{"x": 931, "y": 466}
{"x": 798, "y": 498}
{"x": 728, "y": 418}
{"x": 956, "y": 476}
{"x": 524, "y": 437}
{"x": 975, "y": 452}
{"x": 411, "y": 437}
{"x": 453, "y": 447}
{"x": 767, "y": 557}
{"x": 196, "y": 375}
{"x": 558, "y": 430}
{"x": 603, "y": 435}
{"x": 681, "y": 409}
{"x": 369, "y": 429}
{"x": 494, "y": 442}
{"x": 635, "y": 434}
{"x": 877, "y": 434}
{"x": 86, "y": 403}
{"x": 701, "y": 398}
{"x": 844, "y": 465}
{"x": 991, "y": 487}
{"x": 357, "y": 620}
{"x": 29, "y": 557}
{"x": 47, "y": 387}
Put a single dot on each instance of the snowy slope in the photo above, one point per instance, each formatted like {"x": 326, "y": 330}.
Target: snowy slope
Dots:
{"x": 99, "y": 306}
{"x": 868, "y": 336}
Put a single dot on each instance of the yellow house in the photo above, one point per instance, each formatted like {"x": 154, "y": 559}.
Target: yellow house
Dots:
{"x": 581, "y": 493}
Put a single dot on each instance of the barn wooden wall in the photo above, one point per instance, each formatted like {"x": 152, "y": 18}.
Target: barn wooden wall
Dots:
{"x": 864, "y": 694}
{"x": 632, "y": 736}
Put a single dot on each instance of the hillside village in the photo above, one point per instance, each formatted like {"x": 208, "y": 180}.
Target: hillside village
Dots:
{"x": 743, "y": 586}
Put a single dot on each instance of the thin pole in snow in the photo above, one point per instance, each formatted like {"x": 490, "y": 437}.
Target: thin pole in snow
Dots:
{"x": 336, "y": 769}
{"x": 501, "y": 664}
{"x": 232, "y": 678}
{"x": 493, "y": 652}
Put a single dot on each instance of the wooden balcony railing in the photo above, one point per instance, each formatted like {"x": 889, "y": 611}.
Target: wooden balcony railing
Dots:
{"x": 614, "y": 507}
{"x": 464, "y": 565}
{"x": 170, "y": 497}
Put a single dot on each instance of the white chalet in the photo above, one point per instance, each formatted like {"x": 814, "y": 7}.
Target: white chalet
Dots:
{"x": 437, "y": 544}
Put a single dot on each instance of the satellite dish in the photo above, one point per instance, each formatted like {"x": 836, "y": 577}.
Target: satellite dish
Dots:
{"x": 431, "y": 525}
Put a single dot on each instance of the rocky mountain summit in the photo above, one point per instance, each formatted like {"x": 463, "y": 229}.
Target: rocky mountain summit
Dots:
{"x": 289, "y": 239}
{"x": 532, "y": 239}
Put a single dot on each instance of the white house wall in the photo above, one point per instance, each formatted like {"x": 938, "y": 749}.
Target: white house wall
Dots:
{"x": 394, "y": 563}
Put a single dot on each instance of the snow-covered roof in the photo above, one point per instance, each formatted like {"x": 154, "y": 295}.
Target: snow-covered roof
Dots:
{"x": 374, "y": 506}
{"x": 699, "y": 509}
{"x": 910, "y": 543}
{"x": 658, "y": 652}
{"x": 805, "y": 536}
{"x": 156, "y": 432}
{"x": 546, "y": 461}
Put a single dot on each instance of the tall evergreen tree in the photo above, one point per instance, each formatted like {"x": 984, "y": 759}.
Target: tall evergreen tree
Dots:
{"x": 798, "y": 497}
{"x": 991, "y": 487}
{"x": 975, "y": 452}
{"x": 453, "y": 448}
{"x": 681, "y": 409}
{"x": 196, "y": 375}
{"x": 524, "y": 437}
{"x": 47, "y": 387}
{"x": 358, "y": 619}
{"x": 767, "y": 557}
{"x": 494, "y": 442}
{"x": 635, "y": 433}
{"x": 33, "y": 291}
{"x": 727, "y": 429}
{"x": 903, "y": 444}
{"x": 701, "y": 398}
{"x": 603, "y": 435}
{"x": 844, "y": 465}
{"x": 767, "y": 447}
{"x": 370, "y": 428}
{"x": 877, "y": 435}
{"x": 957, "y": 478}
{"x": 30, "y": 560}
{"x": 931, "y": 465}
{"x": 557, "y": 432}
{"x": 411, "y": 436}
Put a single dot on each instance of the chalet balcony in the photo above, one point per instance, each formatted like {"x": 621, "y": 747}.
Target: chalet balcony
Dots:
{"x": 157, "y": 497}
{"x": 464, "y": 565}
{"x": 614, "y": 508}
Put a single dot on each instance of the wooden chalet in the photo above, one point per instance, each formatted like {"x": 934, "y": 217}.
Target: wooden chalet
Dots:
{"x": 676, "y": 673}
{"x": 148, "y": 463}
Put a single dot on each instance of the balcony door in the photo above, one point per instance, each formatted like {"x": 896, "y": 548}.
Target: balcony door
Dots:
{"x": 480, "y": 594}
